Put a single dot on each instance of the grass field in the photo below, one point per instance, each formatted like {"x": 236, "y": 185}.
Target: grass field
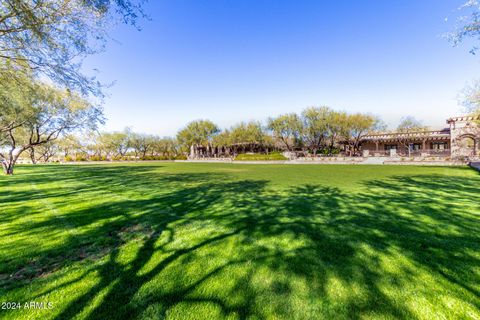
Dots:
{"x": 214, "y": 241}
{"x": 260, "y": 157}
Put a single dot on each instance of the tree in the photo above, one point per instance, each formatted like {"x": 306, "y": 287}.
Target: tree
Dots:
{"x": 15, "y": 94}
{"x": 247, "y": 133}
{"x": 141, "y": 143}
{"x": 315, "y": 128}
{"x": 166, "y": 146}
{"x": 471, "y": 98}
{"x": 115, "y": 144}
{"x": 52, "y": 37}
{"x": 467, "y": 24}
{"x": 286, "y": 128}
{"x": 335, "y": 122}
{"x": 407, "y": 126}
{"x": 197, "y": 133}
{"x": 43, "y": 152}
{"x": 69, "y": 144}
{"x": 410, "y": 124}
{"x": 40, "y": 116}
{"x": 356, "y": 127}
{"x": 222, "y": 139}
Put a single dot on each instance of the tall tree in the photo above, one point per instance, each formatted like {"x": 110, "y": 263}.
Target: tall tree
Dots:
{"x": 336, "y": 121}
{"x": 315, "y": 128}
{"x": 247, "y": 132}
{"x": 471, "y": 98}
{"x": 69, "y": 144}
{"x": 467, "y": 24}
{"x": 166, "y": 146}
{"x": 40, "y": 116}
{"x": 198, "y": 133}
{"x": 141, "y": 143}
{"x": 356, "y": 127}
{"x": 286, "y": 128}
{"x": 15, "y": 98}
{"x": 468, "y": 27}
{"x": 115, "y": 144}
{"x": 43, "y": 152}
{"x": 52, "y": 37}
{"x": 409, "y": 125}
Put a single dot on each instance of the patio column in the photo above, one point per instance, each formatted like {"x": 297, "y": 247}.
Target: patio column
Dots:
{"x": 376, "y": 146}
{"x": 423, "y": 145}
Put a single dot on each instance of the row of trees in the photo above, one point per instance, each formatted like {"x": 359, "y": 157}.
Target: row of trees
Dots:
{"x": 315, "y": 130}
{"x": 322, "y": 129}
{"x": 110, "y": 146}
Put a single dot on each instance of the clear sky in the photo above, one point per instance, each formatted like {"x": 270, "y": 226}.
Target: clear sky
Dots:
{"x": 228, "y": 61}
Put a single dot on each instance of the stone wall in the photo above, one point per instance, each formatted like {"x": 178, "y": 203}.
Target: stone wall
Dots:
{"x": 460, "y": 130}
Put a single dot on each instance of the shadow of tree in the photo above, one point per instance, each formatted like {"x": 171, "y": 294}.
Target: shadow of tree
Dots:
{"x": 250, "y": 251}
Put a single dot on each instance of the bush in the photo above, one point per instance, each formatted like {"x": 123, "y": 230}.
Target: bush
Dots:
{"x": 260, "y": 157}
{"x": 327, "y": 152}
{"x": 98, "y": 158}
{"x": 120, "y": 158}
{"x": 150, "y": 158}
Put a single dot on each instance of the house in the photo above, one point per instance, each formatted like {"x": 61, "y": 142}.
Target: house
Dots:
{"x": 460, "y": 139}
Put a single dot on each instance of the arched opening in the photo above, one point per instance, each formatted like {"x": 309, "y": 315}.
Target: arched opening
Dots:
{"x": 467, "y": 145}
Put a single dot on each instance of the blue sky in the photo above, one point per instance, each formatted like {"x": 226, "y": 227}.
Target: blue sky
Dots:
{"x": 229, "y": 61}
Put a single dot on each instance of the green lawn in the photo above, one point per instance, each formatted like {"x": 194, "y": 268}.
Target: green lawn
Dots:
{"x": 215, "y": 241}
{"x": 260, "y": 157}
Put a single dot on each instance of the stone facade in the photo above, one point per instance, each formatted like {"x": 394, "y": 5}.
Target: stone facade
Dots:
{"x": 460, "y": 139}
{"x": 464, "y": 136}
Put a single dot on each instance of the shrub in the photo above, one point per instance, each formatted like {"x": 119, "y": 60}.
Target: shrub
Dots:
{"x": 260, "y": 157}
{"x": 171, "y": 157}
{"x": 120, "y": 158}
{"x": 98, "y": 158}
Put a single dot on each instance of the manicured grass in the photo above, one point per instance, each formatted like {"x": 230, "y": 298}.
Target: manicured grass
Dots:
{"x": 260, "y": 157}
{"x": 214, "y": 241}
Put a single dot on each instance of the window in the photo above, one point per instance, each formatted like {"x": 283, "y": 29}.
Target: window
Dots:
{"x": 415, "y": 146}
{"x": 439, "y": 145}
{"x": 390, "y": 147}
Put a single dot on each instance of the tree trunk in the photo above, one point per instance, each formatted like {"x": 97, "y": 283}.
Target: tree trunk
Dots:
{"x": 32, "y": 156}
{"x": 8, "y": 165}
{"x": 8, "y": 162}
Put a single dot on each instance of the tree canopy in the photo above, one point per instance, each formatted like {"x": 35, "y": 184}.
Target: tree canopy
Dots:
{"x": 286, "y": 128}
{"x": 468, "y": 27}
{"x": 471, "y": 97}
{"x": 199, "y": 132}
{"x": 51, "y": 37}
{"x": 410, "y": 124}
{"x": 39, "y": 115}
{"x": 467, "y": 24}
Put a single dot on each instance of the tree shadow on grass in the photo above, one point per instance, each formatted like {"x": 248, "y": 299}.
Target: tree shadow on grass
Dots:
{"x": 74, "y": 179}
{"x": 252, "y": 252}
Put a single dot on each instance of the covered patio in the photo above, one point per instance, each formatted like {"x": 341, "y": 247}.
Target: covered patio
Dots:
{"x": 425, "y": 143}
